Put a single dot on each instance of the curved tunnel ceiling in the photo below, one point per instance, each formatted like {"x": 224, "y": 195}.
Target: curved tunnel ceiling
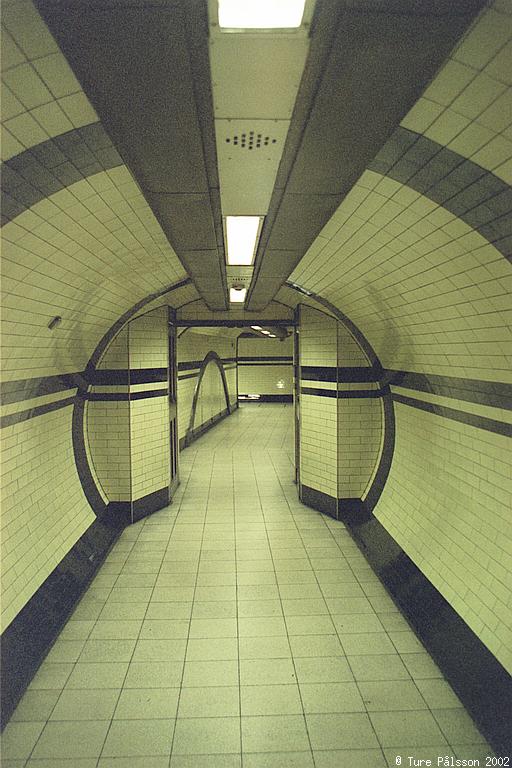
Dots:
{"x": 87, "y": 241}
{"x": 146, "y": 71}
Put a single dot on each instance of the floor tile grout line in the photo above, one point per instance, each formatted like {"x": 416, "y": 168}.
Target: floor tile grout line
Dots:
{"x": 122, "y": 688}
{"x": 95, "y": 621}
{"x": 345, "y": 656}
{"x": 191, "y": 612}
{"x": 289, "y": 645}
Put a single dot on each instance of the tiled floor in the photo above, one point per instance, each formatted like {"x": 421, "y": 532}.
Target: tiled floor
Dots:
{"x": 237, "y": 627}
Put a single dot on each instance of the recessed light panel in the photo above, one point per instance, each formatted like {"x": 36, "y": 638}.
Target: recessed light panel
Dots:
{"x": 260, "y": 14}
{"x": 237, "y": 295}
{"x": 242, "y": 237}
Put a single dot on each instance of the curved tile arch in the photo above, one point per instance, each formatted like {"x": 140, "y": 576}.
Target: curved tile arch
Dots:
{"x": 211, "y": 357}
{"x": 386, "y": 456}
{"x": 85, "y": 474}
{"x": 52, "y": 165}
{"x": 476, "y": 196}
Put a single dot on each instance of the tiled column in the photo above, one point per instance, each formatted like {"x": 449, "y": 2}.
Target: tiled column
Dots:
{"x": 341, "y": 416}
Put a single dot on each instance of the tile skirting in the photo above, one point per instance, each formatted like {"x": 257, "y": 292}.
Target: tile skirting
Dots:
{"x": 28, "y": 638}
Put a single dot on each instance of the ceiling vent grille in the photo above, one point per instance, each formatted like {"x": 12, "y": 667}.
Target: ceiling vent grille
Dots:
{"x": 250, "y": 140}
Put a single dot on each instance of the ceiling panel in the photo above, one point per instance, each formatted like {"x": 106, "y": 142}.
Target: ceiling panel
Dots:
{"x": 249, "y": 153}
{"x": 244, "y": 66}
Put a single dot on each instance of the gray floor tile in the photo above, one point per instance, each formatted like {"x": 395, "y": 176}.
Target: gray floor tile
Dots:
{"x": 154, "y": 674}
{"x": 210, "y": 702}
{"x": 341, "y": 731}
{"x": 267, "y": 671}
{"x": 35, "y": 706}
{"x": 331, "y": 697}
{"x": 387, "y": 695}
{"x": 97, "y": 704}
{"x": 285, "y": 733}
{"x": 350, "y": 758}
{"x": 414, "y": 729}
{"x": 457, "y": 726}
{"x": 278, "y": 760}
{"x": 207, "y": 736}
{"x": 71, "y": 739}
{"x": 139, "y": 738}
{"x": 206, "y": 673}
{"x": 378, "y": 667}
{"x": 147, "y": 704}
{"x": 270, "y": 700}
{"x": 19, "y": 738}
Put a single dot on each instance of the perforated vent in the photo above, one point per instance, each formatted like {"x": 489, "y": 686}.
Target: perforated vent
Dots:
{"x": 250, "y": 140}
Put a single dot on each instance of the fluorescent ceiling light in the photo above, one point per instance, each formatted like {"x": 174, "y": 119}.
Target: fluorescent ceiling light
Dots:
{"x": 260, "y": 14}
{"x": 256, "y": 327}
{"x": 237, "y": 295}
{"x": 242, "y": 238}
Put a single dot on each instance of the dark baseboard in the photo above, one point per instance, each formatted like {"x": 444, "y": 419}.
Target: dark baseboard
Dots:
{"x": 266, "y": 399}
{"x": 318, "y": 500}
{"x": 198, "y": 432}
{"x": 120, "y": 510}
{"x": 480, "y": 681}
{"x": 150, "y": 503}
{"x": 29, "y": 637}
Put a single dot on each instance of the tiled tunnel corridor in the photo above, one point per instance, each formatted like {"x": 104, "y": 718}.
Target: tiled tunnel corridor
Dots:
{"x": 238, "y": 627}
{"x": 255, "y": 384}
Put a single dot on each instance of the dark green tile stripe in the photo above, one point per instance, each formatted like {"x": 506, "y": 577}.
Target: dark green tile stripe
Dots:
{"x": 471, "y": 419}
{"x": 467, "y": 190}
{"x": 32, "y": 413}
{"x": 40, "y": 171}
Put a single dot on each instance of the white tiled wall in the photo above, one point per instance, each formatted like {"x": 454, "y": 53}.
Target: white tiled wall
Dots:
{"x": 318, "y": 346}
{"x": 107, "y": 425}
{"x": 432, "y": 295}
{"x": 149, "y": 417}
{"x": 468, "y": 105}
{"x": 261, "y": 379}
{"x": 447, "y": 503}
{"x": 44, "y": 510}
{"x": 340, "y": 438}
{"x": 41, "y": 98}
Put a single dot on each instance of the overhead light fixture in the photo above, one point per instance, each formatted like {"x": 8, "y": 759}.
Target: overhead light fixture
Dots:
{"x": 261, "y": 14}
{"x": 242, "y": 234}
{"x": 237, "y": 294}
{"x": 256, "y": 327}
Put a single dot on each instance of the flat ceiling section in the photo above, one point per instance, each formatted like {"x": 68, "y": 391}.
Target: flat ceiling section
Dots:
{"x": 256, "y": 76}
{"x": 145, "y": 69}
{"x": 366, "y": 68}
{"x": 249, "y": 152}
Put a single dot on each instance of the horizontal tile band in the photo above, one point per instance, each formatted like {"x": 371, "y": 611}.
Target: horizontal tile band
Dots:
{"x": 471, "y": 419}
{"x": 120, "y": 396}
{"x": 188, "y": 376}
{"x": 27, "y": 389}
{"x": 190, "y": 365}
{"x": 105, "y": 376}
{"x": 265, "y": 364}
{"x": 494, "y": 393}
{"x": 343, "y": 394}
{"x": 39, "y": 410}
{"x": 267, "y": 359}
{"x": 342, "y": 374}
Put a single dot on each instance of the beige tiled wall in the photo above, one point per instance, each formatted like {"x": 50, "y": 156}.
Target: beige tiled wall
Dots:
{"x": 340, "y": 437}
{"x": 107, "y": 425}
{"x": 149, "y": 417}
{"x": 44, "y": 510}
{"x": 261, "y": 379}
{"x": 432, "y": 295}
